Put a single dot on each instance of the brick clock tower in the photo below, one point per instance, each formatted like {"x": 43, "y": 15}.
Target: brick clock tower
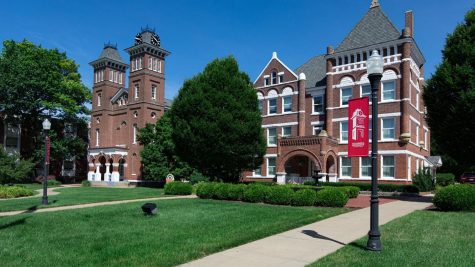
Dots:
{"x": 118, "y": 112}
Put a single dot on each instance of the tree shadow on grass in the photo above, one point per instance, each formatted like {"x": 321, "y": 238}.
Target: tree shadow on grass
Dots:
{"x": 314, "y": 234}
{"x": 14, "y": 223}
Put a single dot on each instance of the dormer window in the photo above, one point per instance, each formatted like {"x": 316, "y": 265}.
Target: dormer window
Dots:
{"x": 274, "y": 77}
{"x": 281, "y": 77}
{"x": 266, "y": 80}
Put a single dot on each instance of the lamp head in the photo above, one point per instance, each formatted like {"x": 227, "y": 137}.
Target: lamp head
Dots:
{"x": 46, "y": 124}
{"x": 375, "y": 63}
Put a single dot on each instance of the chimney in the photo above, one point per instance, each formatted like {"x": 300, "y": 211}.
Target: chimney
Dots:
{"x": 410, "y": 23}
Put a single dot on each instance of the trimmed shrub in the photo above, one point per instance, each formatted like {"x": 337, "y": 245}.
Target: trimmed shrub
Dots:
{"x": 423, "y": 181}
{"x": 351, "y": 191}
{"x": 221, "y": 191}
{"x": 459, "y": 197}
{"x": 178, "y": 188}
{"x": 86, "y": 183}
{"x": 236, "y": 191}
{"x": 197, "y": 177}
{"x": 309, "y": 183}
{"x": 15, "y": 191}
{"x": 280, "y": 195}
{"x": 304, "y": 197}
{"x": 54, "y": 183}
{"x": 445, "y": 179}
{"x": 331, "y": 197}
{"x": 205, "y": 190}
{"x": 255, "y": 193}
{"x": 381, "y": 187}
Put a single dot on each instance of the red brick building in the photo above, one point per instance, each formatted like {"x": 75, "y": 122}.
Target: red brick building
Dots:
{"x": 118, "y": 110}
{"x": 305, "y": 114}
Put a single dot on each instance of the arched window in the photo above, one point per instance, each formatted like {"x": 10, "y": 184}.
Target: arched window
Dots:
{"x": 272, "y": 102}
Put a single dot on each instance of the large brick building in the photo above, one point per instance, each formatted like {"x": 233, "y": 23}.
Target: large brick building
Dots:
{"x": 304, "y": 112}
{"x": 118, "y": 110}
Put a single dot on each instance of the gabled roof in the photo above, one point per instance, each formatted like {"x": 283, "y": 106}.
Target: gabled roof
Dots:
{"x": 274, "y": 56}
{"x": 119, "y": 93}
{"x": 315, "y": 71}
{"x": 375, "y": 27}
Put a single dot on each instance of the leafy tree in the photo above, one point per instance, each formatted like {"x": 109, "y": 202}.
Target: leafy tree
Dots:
{"x": 450, "y": 96}
{"x": 35, "y": 82}
{"x": 12, "y": 169}
{"x": 158, "y": 156}
{"x": 217, "y": 123}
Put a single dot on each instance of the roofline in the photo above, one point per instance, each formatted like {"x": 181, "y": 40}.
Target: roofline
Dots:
{"x": 274, "y": 56}
{"x": 109, "y": 59}
{"x": 166, "y": 52}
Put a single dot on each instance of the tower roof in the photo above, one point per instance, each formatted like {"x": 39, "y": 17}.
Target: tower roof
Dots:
{"x": 111, "y": 55}
{"x": 375, "y": 27}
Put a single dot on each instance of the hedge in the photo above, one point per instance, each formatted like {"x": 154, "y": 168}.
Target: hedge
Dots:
{"x": 86, "y": 183}
{"x": 381, "y": 187}
{"x": 221, "y": 191}
{"x": 331, "y": 197}
{"x": 178, "y": 188}
{"x": 255, "y": 193}
{"x": 445, "y": 179}
{"x": 280, "y": 195}
{"x": 15, "y": 191}
{"x": 304, "y": 197}
{"x": 205, "y": 190}
{"x": 459, "y": 197}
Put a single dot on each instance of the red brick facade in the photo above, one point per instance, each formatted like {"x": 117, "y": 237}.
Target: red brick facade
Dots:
{"x": 317, "y": 137}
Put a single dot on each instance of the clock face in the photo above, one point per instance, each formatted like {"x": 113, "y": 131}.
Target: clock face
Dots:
{"x": 155, "y": 40}
{"x": 138, "y": 39}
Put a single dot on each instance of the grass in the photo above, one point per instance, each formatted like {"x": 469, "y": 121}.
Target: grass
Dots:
{"x": 422, "y": 238}
{"x": 35, "y": 186}
{"x": 120, "y": 235}
{"x": 80, "y": 195}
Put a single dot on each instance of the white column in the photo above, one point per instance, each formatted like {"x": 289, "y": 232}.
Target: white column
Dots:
{"x": 97, "y": 177}
{"x": 107, "y": 175}
{"x": 281, "y": 177}
{"x": 115, "y": 174}
{"x": 90, "y": 174}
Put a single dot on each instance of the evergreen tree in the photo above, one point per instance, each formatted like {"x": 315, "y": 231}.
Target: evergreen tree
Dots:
{"x": 450, "y": 96}
{"x": 216, "y": 122}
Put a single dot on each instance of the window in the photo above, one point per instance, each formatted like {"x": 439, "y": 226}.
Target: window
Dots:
{"x": 272, "y": 106}
{"x": 366, "y": 91}
{"x": 417, "y": 100}
{"x": 137, "y": 91}
{"x": 97, "y": 137}
{"x": 318, "y": 104}
{"x": 116, "y": 76}
{"x": 388, "y": 166}
{"x": 274, "y": 77}
{"x": 346, "y": 94}
{"x": 287, "y": 131}
{"x": 140, "y": 63}
{"x": 426, "y": 133}
{"x": 99, "y": 97}
{"x": 388, "y": 128}
{"x": 135, "y": 133}
{"x": 365, "y": 166}
{"x": 317, "y": 130}
{"x": 281, "y": 78}
{"x": 150, "y": 66}
{"x": 389, "y": 91}
{"x": 344, "y": 131}
{"x": 258, "y": 171}
{"x": 261, "y": 104}
{"x": 96, "y": 77}
{"x": 271, "y": 166}
{"x": 266, "y": 80}
{"x": 120, "y": 78}
{"x": 154, "y": 92}
{"x": 345, "y": 167}
{"x": 111, "y": 75}
{"x": 287, "y": 103}
{"x": 417, "y": 135}
{"x": 271, "y": 136}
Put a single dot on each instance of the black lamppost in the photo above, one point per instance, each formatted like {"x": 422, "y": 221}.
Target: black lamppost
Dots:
{"x": 375, "y": 71}
{"x": 46, "y": 127}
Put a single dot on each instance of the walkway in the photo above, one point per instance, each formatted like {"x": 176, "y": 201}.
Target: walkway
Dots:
{"x": 306, "y": 244}
{"x": 88, "y": 205}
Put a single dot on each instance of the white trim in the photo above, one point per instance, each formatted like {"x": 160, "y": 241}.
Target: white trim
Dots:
{"x": 313, "y": 104}
{"x": 279, "y": 114}
{"x": 341, "y": 95}
{"x": 267, "y": 165}
{"x": 414, "y": 120}
{"x": 282, "y": 131}
{"x": 270, "y": 155}
{"x": 341, "y": 165}
{"x": 347, "y": 131}
{"x": 317, "y": 123}
{"x": 283, "y": 104}
{"x": 279, "y": 124}
{"x": 268, "y": 106}
{"x": 381, "y": 159}
{"x": 269, "y": 144}
{"x": 391, "y": 152}
{"x": 278, "y": 60}
{"x": 273, "y": 85}
{"x": 381, "y": 129}
{"x": 361, "y": 167}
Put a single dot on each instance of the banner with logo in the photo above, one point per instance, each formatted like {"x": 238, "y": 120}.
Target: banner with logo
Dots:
{"x": 358, "y": 127}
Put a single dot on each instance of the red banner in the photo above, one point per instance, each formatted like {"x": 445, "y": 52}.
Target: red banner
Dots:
{"x": 358, "y": 127}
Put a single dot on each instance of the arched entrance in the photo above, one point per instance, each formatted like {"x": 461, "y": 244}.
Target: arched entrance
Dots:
{"x": 299, "y": 166}
{"x": 102, "y": 168}
{"x": 121, "y": 169}
{"x": 330, "y": 168}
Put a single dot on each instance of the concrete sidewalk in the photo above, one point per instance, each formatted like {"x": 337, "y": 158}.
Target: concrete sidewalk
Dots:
{"x": 88, "y": 205}
{"x": 306, "y": 244}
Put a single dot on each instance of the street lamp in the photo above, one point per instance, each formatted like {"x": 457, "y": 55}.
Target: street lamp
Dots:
{"x": 375, "y": 65}
{"x": 46, "y": 127}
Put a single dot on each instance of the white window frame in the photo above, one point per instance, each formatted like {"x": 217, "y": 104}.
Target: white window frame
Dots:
{"x": 111, "y": 75}
{"x": 341, "y": 132}
{"x": 417, "y": 100}
{"x": 383, "y": 99}
{"x": 341, "y": 167}
{"x": 116, "y": 76}
{"x": 99, "y": 99}
{"x": 267, "y": 166}
{"x": 283, "y": 103}
{"x": 135, "y": 134}
{"x": 154, "y": 92}
{"x": 283, "y": 132}
{"x": 361, "y": 167}
{"x": 256, "y": 174}
{"x": 281, "y": 78}
{"x": 382, "y": 129}
{"x": 97, "y": 137}
{"x": 426, "y": 133}
{"x": 341, "y": 95}
{"x": 274, "y": 76}
{"x": 268, "y": 135}
{"x": 393, "y": 166}
{"x": 418, "y": 129}
{"x": 120, "y": 78}
{"x": 368, "y": 95}
{"x": 268, "y": 105}
{"x": 266, "y": 80}
{"x": 313, "y": 105}
{"x": 136, "y": 91}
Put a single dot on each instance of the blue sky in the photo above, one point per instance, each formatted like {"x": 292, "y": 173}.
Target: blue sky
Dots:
{"x": 197, "y": 32}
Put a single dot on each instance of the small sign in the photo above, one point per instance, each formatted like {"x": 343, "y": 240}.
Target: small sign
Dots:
{"x": 47, "y": 150}
{"x": 358, "y": 127}
{"x": 170, "y": 178}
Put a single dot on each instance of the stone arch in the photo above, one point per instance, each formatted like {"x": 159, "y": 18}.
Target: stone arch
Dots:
{"x": 298, "y": 152}
{"x": 260, "y": 95}
{"x": 347, "y": 80}
{"x": 389, "y": 74}
{"x": 363, "y": 79}
{"x": 288, "y": 91}
{"x": 272, "y": 93}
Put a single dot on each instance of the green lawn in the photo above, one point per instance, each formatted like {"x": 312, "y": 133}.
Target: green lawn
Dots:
{"x": 80, "y": 195}
{"x": 120, "y": 235}
{"x": 35, "y": 186}
{"x": 422, "y": 238}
